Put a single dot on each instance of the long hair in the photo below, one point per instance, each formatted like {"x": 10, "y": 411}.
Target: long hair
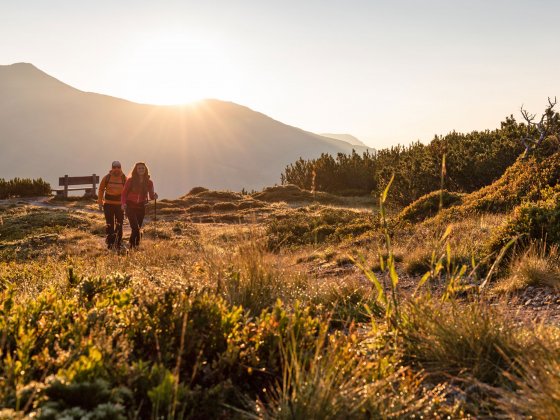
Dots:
{"x": 140, "y": 183}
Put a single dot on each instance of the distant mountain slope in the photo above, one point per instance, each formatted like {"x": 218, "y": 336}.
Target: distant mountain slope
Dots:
{"x": 48, "y": 129}
{"x": 348, "y": 138}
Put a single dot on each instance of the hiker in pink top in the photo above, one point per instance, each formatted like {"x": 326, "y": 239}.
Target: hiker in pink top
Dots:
{"x": 137, "y": 189}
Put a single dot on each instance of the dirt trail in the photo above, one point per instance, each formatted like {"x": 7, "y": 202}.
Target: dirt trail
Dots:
{"x": 46, "y": 203}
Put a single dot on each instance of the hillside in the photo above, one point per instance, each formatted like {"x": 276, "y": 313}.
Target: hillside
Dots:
{"x": 239, "y": 305}
{"x": 49, "y": 129}
{"x": 286, "y": 303}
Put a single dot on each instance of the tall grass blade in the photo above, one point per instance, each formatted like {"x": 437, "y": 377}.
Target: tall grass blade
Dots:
{"x": 498, "y": 260}
{"x": 386, "y": 190}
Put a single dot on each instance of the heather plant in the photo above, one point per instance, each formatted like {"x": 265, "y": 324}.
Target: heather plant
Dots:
{"x": 294, "y": 194}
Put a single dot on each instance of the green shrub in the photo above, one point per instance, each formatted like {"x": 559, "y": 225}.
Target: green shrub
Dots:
{"x": 75, "y": 400}
{"x": 530, "y": 221}
{"x": 20, "y": 224}
{"x": 527, "y": 180}
{"x": 473, "y": 160}
{"x": 24, "y": 187}
{"x": 294, "y": 194}
{"x": 429, "y": 204}
{"x": 316, "y": 224}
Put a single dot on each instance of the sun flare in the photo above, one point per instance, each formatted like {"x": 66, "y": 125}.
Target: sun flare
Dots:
{"x": 175, "y": 68}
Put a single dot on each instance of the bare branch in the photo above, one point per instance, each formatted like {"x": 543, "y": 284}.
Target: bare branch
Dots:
{"x": 547, "y": 126}
{"x": 528, "y": 117}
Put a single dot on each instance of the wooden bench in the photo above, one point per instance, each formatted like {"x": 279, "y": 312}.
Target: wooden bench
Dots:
{"x": 66, "y": 181}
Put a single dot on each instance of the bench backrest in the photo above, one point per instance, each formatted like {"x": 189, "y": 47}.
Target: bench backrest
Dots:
{"x": 77, "y": 180}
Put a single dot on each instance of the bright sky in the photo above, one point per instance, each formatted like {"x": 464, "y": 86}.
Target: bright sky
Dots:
{"x": 385, "y": 71}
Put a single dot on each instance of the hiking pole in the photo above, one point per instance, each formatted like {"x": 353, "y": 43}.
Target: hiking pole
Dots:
{"x": 155, "y": 218}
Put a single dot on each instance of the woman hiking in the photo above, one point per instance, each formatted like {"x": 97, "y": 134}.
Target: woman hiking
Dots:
{"x": 134, "y": 198}
{"x": 109, "y": 201}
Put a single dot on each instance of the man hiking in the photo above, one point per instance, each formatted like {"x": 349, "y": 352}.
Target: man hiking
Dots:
{"x": 109, "y": 201}
{"x": 134, "y": 198}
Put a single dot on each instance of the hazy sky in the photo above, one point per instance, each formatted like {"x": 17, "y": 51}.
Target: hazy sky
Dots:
{"x": 386, "y": 71}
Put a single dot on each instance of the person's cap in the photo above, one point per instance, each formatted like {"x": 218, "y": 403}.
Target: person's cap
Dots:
{"x": 116, "y": 164}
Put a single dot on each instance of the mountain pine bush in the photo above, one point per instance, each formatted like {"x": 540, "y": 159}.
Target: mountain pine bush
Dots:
{"x": 24, "y": 187}
{"x": 473, "y": 160}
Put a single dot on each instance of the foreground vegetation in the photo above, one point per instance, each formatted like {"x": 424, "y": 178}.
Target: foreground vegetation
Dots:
{"x": 298, "y": 304}
{"x": 237, "y": 307}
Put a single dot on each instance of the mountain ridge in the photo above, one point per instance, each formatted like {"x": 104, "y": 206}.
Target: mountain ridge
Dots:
{"x": 49, "y": 128}
{"x": 348, "y": 138}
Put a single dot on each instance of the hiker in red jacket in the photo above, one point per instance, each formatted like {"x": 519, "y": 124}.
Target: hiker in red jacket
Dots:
{"x": 137, "y": 189}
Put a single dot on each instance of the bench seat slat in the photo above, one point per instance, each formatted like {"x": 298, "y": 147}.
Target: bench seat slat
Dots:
{"x": 78, "y": 180}
{"x": 74, "y": 189}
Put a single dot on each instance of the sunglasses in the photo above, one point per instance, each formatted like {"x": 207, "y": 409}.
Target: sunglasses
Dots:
{"x": 116, "y": 167}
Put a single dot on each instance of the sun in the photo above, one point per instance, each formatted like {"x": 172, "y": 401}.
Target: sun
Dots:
{"x": 177, "y": 68}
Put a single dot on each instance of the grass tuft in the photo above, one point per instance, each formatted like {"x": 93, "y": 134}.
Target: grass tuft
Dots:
{"x": 535, "y": 267}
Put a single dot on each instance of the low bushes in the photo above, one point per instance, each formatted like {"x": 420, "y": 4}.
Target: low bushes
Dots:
{"x": 530, "y": 221}
{"x": 317, "y": 224}
{"x": 33, "y": 221}
{"x": 24, "y": 187}
{"x": 428, "y": 205}
{"x": 105, "y": 347}
{"x": 293, "y": 194}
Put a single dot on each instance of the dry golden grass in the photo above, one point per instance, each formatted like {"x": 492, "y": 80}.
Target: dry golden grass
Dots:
{"x": 537, "y": 266}
{"x": 466, "y": 241}
{"x": 232, "y": 265}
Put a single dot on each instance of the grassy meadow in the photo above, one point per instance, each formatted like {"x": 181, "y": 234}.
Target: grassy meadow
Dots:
{"x": 288, "y": 304}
